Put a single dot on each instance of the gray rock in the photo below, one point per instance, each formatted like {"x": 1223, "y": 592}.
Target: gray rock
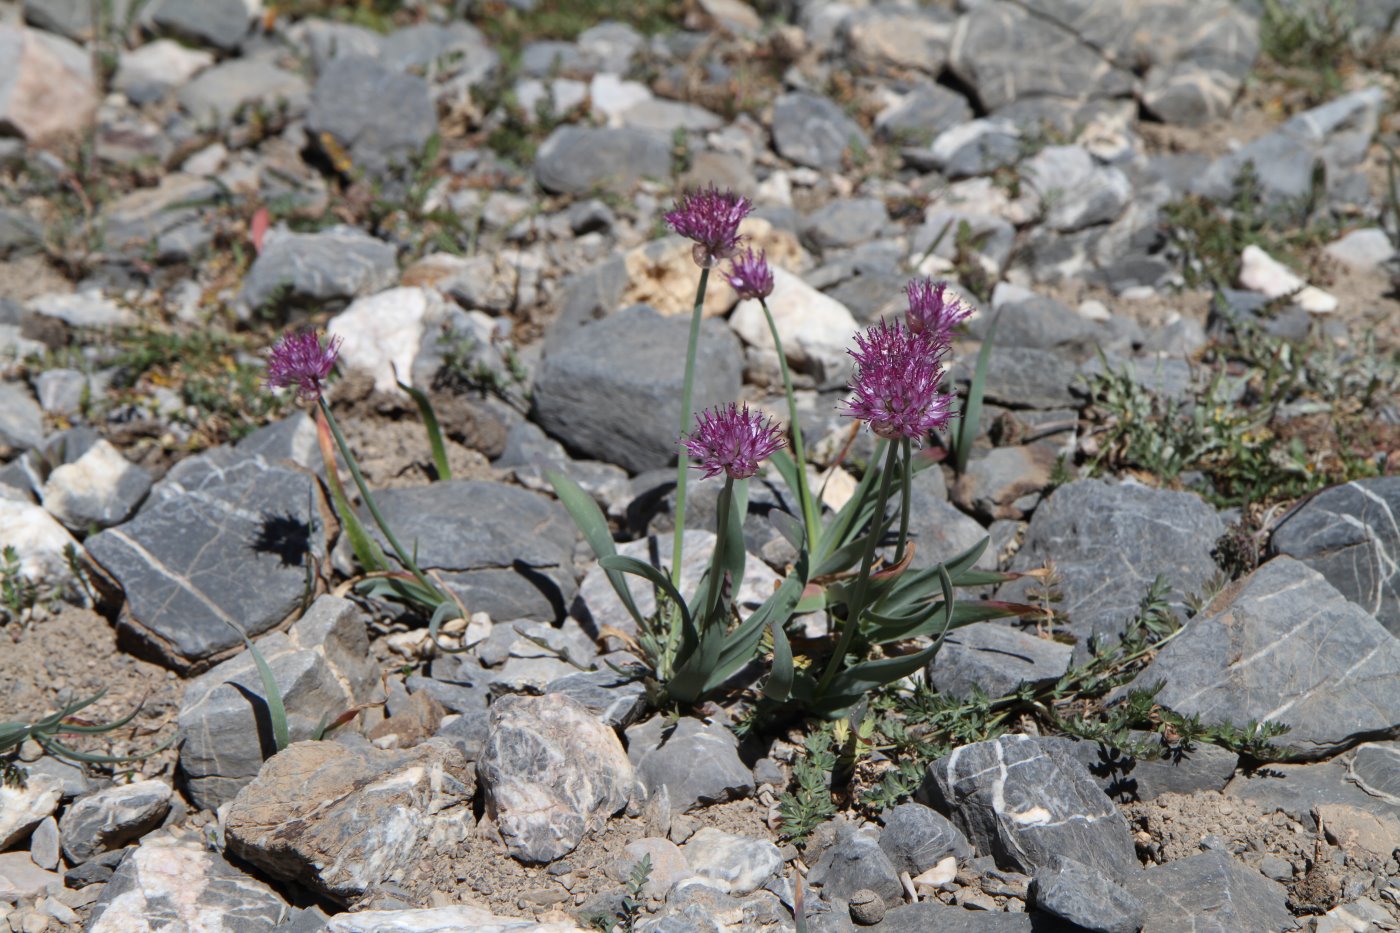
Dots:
{"x": 1127, "y": 778}
{"x": 165, "y": 885}
{"x": 616, "y": 699}
{"x": 1245, "y": 658}
{"x": 1073, "y": 892}
{"x": 931, "y": 915}
{"x": 110, "y": 818}
{"x": 1023, "y": 377}
{"x": 1108, "y": 544}
{"x": 938, "y": 529}
{"x": 814, "y": 131}
{"x": 23, "y": 808}
{"x": 917, "y": 837}
{"x": 44, "y": 846}
{"x": 1026, "y": 803}
{"x": 1005, "y": 51}
{"x": 977, "y": 147}
{"x": 97, "y": 490}
{"x": 1030, "y": 320}
{"x": 995, "y": 658}
{"x": 19, "y": 234}
{"x": 212, "y": 512}
{"x": 584, "y": 160}
{"x": 613, "y": 391}
{"x": 326, "y": 40}
{"x": 61, "y": 390}
{"x": 21, "y": 419}
{"x": 1350, "y": 535}
{"x": 346, "y": 819}
{"x": 72, "y": 19}
{"x": 322, "y": 669}
{"x": 1299, "y": 789}
{"x": 146, "y": 218}
{"x": 857, "y": 862}
{"x": 503, "y": 550}
{"x": 328, "y": 267}
{"x": 217, "y": 95}
{"x": 1210, "y": 893}
{"x": 1074, "y": 191}
{"x": 1005, "y": 482}
{"x": 697, "y": 763}
{"x": 921, "y": 115}
{"x": 551, "y": 772}
{"x": 895, "y": 39}
{"x": 737, "y": 865}
{"x": 1375, "y": 768}
{"x": 220, "y": 23}
{"x": 380, "y": 117}
{"x": 456, "y": 55}
{"x": 845, "y": 222}
{"x": 31, "y": 60}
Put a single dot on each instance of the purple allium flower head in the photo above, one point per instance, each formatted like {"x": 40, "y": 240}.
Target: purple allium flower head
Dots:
{"x": 897, "y": 382}
{"x": 711, "y": 218}
{"x": 732, "y": 441}
{"x": 932, "y": 310}
{"x": 301, "y": 361}
{"x": 750, "y": 275}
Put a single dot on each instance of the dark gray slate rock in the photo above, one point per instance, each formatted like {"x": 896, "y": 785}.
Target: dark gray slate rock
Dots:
{"x": 21, "y": 419}
{"x": 931, "y": 915}
{"x": 939, "y": 530}
{"x": 921, "y": 115}
{"x": 1210, "y": 893}
{"x": 586, "y": 159}
{"x": 1005, "y": 51}
{"x": 1026, "y": 803}
{"x": 322, "y": 668}
{"x": 616, "y": 699}
{"x": 813, "y": 131}
{"x": 1108, "y": 544}
{"x": 845, "y": 222}
{"x": 1023, "y": 377}
{"x": 166, "y": 885}
{"x": 379, "y": 116}
{"x": 917, "y": 837}
{"x": 220, "y": 23}
{"x": 1375, "y": 768}
{"x": 613, "y": 392}
{"x": 1252, "y": 655}
{"x": 698, "y": 763}
{"x": 995, "y": 658}
{"x": 1030, "y": 320}
{"x": 550, "y": 772}
{"x": 977, "y": 147}
{"x": 331, "y": 266}
{"x": 1127, "y": 778}
{"x": 1351, "y": 535}
{"x": 72, "y": 19}
{"x": 857, "y": 862}
{"x": 1298, "y": 789}
{"x": 504, "y": 550}
{"x": 110, "y": 818}
{"x": 1076, "y": 893}
{"x": 210, "y": 513}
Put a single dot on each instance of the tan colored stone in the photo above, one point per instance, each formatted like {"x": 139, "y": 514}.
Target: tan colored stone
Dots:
{"x": 41, "y": 97}
{"x": 1377, "y": 834}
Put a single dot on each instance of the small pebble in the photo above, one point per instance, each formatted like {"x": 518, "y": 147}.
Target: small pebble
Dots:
{"x": 867, "y": 907}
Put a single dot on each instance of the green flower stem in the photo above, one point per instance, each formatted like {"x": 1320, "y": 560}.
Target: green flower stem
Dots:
{"x": 717, "y": 559}
{"x": 687, "y": 390}
{"x": 857, "y": 603}
{"x": 373, "y": 506}
{"x": 804, "y": 492}
{"x": 907, "y": 450}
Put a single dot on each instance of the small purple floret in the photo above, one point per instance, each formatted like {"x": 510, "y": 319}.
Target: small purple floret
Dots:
{"x": 301, "y": 361}
{"x": 732, "y": 441}
{"x": 897, "y": 382}
{"x": 750, "y": 275}
{"x": 932, "y": 310}
{"x": 711, "y": 218}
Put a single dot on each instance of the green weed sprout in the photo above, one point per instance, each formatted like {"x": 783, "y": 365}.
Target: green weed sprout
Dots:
{"x": 62, "y": 723}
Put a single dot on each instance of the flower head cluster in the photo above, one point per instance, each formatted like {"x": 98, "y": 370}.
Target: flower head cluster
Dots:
{"x": 932, "y": 310}
{"x": 897, "y": 382}
{"x": 711, "y": 218}
{"x": 750, "y": 275}
{"x": 732, "y": 440}
{"x": 301, "y": 361}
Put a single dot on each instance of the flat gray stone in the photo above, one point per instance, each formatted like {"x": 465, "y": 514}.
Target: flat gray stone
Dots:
{"x": 21, "y": 419}
{"x": 1030, "y": 320}
{"x": 995, "y": 658}
{"x": 378, "y": 116}
{"x": 220, "y": 23}
{"x": 503, "y": 550}
{"x": 697, "y": 763}
{"x": 97, "y": 490}
{"x": 1252, "y": 655}
{"x": 346, "y": 819}
{"x": 586, "y": 159}
{"x": 165, "y": 885}
{"x": 845, "y": 222}
{"x": 216, "y": 95}
{"x": 976, "y": 147}
{"x": 613, "y": 391}
{"x": 735, "y": 864}
{"x": 1359, "y": 779}
{"x": 895, "y": 39}
{"x": 1073, "y": 892}
{"x": 931, "y": 915}
{"x": 210, "y": 513}
{"x": 1075, "y": 192}
{"x": 322, "y": 668}
{"x": 854, "y": 863}
{"x": 1027, "y": 803}
{"x": 1351, "y": 535}
{"x": 110, "y": 818}
{"x": 616, "y": 699}
{"x": 1023, "y": 377}
{"x": 1127, "y": 778}
{"x": 23, "y": 808}
{"x": 917, "y": 837}
{"x": 551, "y": 772}
{"x": 1210, "y": 893}
{"x": 331, "y": 266}
{"x": 813, "y": 131}
{"x": 921, "y": 115}
{"x": 1375, "y": 768}
{"x": 1108, "y": 543}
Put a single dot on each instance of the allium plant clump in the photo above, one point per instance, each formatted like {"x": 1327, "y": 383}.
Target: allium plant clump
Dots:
{"x": 898, "y": 382}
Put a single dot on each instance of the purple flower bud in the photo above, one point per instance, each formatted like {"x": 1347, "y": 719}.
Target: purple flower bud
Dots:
{"x": 932, "y": 310}
{"x": 711, "y": 218}
{"x": 732, "y": 441}
{"x": 897, "y": 382}
{"x": 750, "y": 276}
{"x": 302, "y": 361}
